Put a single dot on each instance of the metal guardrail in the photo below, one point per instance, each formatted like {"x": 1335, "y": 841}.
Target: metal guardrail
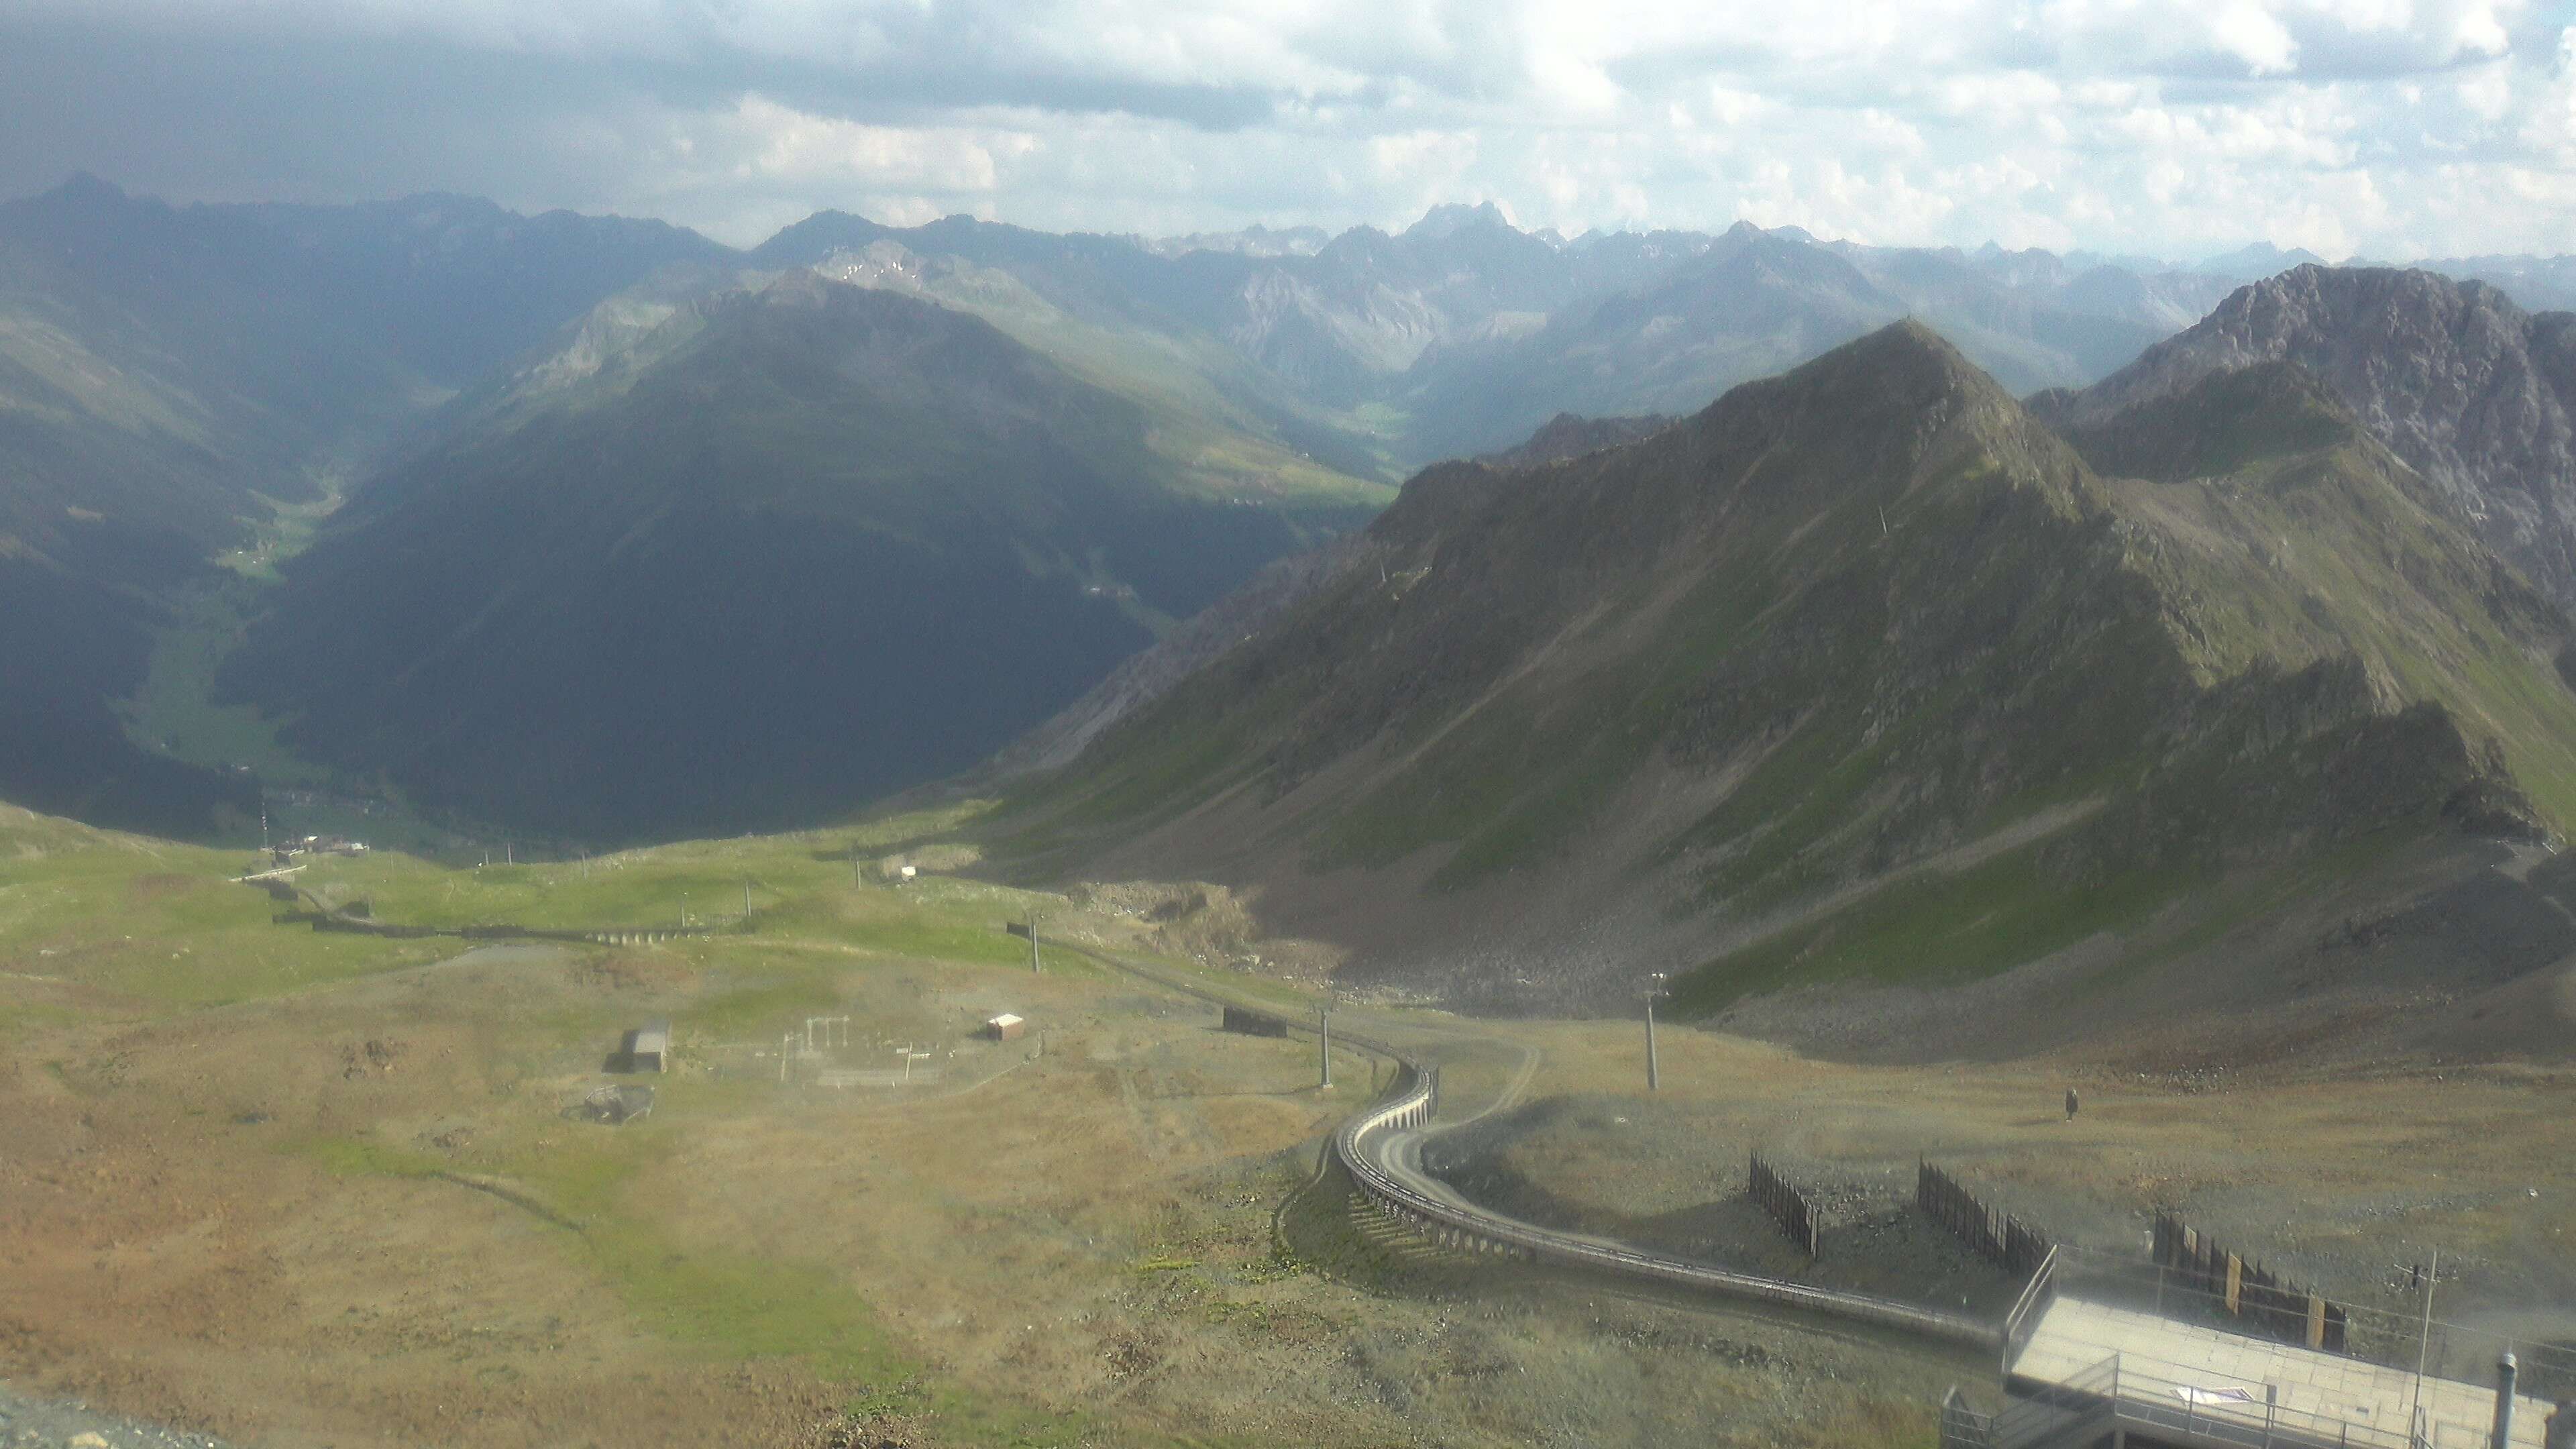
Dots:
{"x": 2123, "y": 1391}
{"x": 2072, "y": 1412}
{"x": 1409, "y": 1103}
{"x": 1413, "y": 1105}
{"x": 2018, "y": 1322}
{"x": 2188, "y": 1412}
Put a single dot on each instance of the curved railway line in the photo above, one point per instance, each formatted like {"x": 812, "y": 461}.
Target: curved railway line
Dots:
{"x": 1381, "y": 1149}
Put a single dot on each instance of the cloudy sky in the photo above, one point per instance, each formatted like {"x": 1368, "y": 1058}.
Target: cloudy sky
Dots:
{"x": 2390, "y": 128}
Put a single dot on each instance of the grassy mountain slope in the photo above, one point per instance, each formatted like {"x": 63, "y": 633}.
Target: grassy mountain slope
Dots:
{"x": 815, "y": 543}
{"x": 1229, "y": 424}
{"x": 1860, "y": 672}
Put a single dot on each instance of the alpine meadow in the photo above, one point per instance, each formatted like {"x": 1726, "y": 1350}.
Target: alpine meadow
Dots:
{"x": 853, "y": 725}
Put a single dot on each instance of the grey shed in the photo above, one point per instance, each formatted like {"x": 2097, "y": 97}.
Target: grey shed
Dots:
{"x": 648, "y": 1047}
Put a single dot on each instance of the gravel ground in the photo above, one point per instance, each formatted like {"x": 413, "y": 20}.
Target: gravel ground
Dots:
{"x": 37, "y": 1424}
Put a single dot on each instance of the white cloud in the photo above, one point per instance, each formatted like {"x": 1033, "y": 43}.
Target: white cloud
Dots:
{"x": 2162, "y": 125}
{"x": 776, "y": 143}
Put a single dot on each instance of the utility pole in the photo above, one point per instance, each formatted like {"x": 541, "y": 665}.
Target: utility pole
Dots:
{"x": 2415, "y": 1415}
{"x": 746, "y": 900}
{"x": 2506, "y": 1371}
{"x": 1034, "y": 968}
{"x": 684, "y": 910}
{"x": 1324, "y": 1041}
{"x": 1654, "y": 1079}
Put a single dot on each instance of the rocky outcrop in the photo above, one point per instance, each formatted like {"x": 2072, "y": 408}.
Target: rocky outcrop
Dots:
{"x": 1571, "y": 435}
{"x": 2466, "y": 387}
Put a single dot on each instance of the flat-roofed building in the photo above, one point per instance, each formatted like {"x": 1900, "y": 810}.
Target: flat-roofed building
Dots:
{"x": 648, "y": 1048}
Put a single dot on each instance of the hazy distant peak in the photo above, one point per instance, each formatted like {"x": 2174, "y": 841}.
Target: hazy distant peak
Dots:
{"x": 2260, "y": 259}
{"x": 1448, "y": 219}
{"x": 1361, "y": 244}
{"x": 1256, "y": 241}
{"x": 84, "y": 195}
{"x": 818, "y": 236}
{"x": 86, "y": 185}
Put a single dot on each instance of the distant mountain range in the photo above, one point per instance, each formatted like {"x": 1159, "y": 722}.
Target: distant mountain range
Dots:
{"x": 558, "y": 424}
{"x": 1462, "y": 333}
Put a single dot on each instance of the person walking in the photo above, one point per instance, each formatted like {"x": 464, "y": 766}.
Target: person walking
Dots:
{"x": 2070, "y": 1104}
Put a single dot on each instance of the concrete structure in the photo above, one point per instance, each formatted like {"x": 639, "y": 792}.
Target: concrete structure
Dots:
{"x": 2093, "y": 1371}
{"x": 648, "y": 1048}
{"x": 1006, "y": 1027}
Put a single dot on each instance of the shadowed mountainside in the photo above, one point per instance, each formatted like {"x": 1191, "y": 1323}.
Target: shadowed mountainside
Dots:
{"x": 784, "y": 549}
{"x": 170, "y": 376}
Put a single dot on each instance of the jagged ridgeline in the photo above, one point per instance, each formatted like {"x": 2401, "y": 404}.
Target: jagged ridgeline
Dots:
{"x": 1862, "y": 671}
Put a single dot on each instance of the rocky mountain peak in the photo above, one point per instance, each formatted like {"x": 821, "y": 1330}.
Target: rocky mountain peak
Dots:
{"x": 1447, "y": 220}
{"x": 2470, "y": 390}
{"x": 1903, "y": 366}
{"x": 1571, "y": 435}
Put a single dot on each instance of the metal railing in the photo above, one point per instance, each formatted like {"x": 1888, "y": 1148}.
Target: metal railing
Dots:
{"x": 2203, "y": 1409}
{"x": 2390, "y": 1339}
{"x": 1410, "y": 1099}
{"x": 2149, "y": 1396}
{"x": 1412, "y": 1105}
{"x": 2063, "y": 1413}
{"x": 2023, "y": 1318}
